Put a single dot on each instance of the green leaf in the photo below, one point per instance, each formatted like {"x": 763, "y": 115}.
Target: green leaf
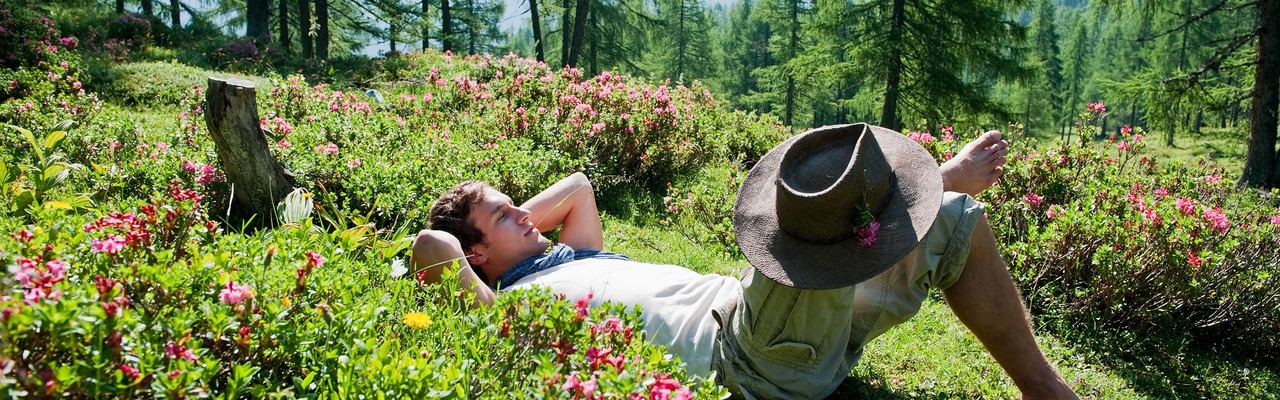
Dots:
{"x": 295, "y": 207}
{"x": 31, "y": 138}
{"x": 54, "y": 138}
{"x": 6, "y": 175}
{"x": 64, "y": 125}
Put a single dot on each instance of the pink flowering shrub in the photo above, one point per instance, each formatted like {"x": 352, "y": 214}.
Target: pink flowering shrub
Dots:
{"x": 511, "y": 121}
{"x": 41, "y": 82}
{"x": 1100, "y": 233}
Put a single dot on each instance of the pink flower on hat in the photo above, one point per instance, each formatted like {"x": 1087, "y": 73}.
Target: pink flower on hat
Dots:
{"x": 867, "y": 234}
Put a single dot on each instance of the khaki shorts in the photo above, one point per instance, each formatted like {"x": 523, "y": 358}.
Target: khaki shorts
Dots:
{"x": 783, "y": 342}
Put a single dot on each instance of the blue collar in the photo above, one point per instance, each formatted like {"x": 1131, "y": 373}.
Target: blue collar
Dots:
{"x": 559, "y": 254}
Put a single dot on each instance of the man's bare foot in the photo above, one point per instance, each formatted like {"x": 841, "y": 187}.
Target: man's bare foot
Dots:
{"x": 978, "y": 166}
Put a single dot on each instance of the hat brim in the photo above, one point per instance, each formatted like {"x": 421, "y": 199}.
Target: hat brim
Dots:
{"x": 913, "y": 205}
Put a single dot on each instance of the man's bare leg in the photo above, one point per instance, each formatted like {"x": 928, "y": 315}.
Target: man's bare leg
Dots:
{"x": 986, "y": 300}
{"x": 977, "y": 166}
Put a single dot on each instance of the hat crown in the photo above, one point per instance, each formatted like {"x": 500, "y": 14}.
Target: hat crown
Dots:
{"x": 827, "y": 179}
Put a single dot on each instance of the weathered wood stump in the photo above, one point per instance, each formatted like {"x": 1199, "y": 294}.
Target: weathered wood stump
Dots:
{"x": 258, "y": 180}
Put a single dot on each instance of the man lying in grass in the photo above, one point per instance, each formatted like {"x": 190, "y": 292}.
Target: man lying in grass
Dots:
{"x": 847, "y": 228}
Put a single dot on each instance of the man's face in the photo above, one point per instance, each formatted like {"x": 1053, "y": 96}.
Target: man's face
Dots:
{"x": 509, "y": 234}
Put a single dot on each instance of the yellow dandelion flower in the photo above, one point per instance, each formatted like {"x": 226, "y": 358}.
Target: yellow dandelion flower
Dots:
{"x": 417, "y": 320}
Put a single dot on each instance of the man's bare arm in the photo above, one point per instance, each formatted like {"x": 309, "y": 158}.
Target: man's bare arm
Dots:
{"x": 571, "y": 205}
{"x": 433, "y": 251}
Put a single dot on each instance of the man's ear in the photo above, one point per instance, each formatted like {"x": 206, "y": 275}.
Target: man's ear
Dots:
{"x": 476, "y": 256}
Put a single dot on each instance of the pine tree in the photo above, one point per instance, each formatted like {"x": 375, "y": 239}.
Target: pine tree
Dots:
{"x": 935, "y": 59}
{"x": 1075, "y": 67}
{"x": 683, "y": 44}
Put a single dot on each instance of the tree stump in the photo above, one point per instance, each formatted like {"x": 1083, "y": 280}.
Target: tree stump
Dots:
{"x": 258, "y": 180}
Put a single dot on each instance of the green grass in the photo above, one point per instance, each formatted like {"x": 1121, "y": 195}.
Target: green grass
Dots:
{"x": 1219, "y": 147}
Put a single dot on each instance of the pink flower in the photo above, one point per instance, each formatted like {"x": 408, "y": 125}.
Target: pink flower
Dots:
{"x": 1217, "y": 219}
{"x": 106, "y": 286}
{"x": 283, "y": 142}
{"x": 1126, "y": 129}
{"x": 867, "y": 234}
{"x": 1275, "y": 220}
{"x": 314, "y": 260}
{"x": 1185, "y": 205}
{"x": 1124, "y": 146}
{"x": 1162, "y": 192}
{"x": 233, "y": 294}
{"x": 1053, "y": 212}
{"x": 355, "y": 162}
{"x": 176, "y": 351}
{"x": 111, "y": 245}
{"x": 571, "y": 383}
{"x": 190, "y": 167}
{"x": 920, "y": 137}
{"x": 583, "y": 307}
{"x": 1151, "y": 216}
{"x": 1033, "y": 199}
{"x": 1138, "y": 138}
{"x": 130, "y": 372}
{"x": 948, "y": 134}
{"x": 1213, "y": 179}
{"x": 207, "y": 175}
{"x": 329, "y": 149}
{"x": 23, "y": 236}
{"x": 1194, "y": 259}
{"x": 1097, "y": 107}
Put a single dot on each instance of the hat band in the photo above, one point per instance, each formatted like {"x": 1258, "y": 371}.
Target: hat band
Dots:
{"x": 818, "y": 240}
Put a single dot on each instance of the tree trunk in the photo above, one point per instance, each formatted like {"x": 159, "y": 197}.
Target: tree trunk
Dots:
{"x": 322, "y": 29}
{"x": 1260, "y": 169}
{"x": 471, "y": 27}
{"x": 579, "y": 29}
{"x": 889, "y": 114}
{"x": 284, "y": 26}
{"x": 788, "y": 113}
{"x": 426, "y": 39}
{"x": 256, "y": 19}
{"x": 566, "y": 32}
{"x": 537, "y": 31}
{"x": 175, "y": 13}
{"x": 119, "y": 6}
{"x": 304, "y": 27}
{"x": 391, "y": 30}
{"x": 446, "y": 26}
{"x": 259, "y": 181}
{"x": 147, "y": 8}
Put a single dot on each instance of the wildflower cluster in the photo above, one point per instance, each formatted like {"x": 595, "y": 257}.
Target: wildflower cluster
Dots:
{"x": 40, "y": 73}
{"x": 1112, "y": 237}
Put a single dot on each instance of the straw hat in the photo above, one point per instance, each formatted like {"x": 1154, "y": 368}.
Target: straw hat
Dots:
{"x": 804, "y": 214}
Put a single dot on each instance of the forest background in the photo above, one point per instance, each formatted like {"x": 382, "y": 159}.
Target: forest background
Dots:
{"x": 1174, "y": 67}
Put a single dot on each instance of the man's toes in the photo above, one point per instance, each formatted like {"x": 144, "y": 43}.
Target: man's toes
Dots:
{"x": 983, "y": 141}
{"x": 998, "y": 156}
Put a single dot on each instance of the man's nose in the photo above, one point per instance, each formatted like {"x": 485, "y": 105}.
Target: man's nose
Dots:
{"x": 523, "y": 215}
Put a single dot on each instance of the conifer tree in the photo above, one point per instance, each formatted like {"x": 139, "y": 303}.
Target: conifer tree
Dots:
{"x": 683, "y": 44}
{"x": 936, "y": 59}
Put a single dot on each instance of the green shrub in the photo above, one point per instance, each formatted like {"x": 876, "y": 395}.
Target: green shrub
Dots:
{"x": 40, "y": 84}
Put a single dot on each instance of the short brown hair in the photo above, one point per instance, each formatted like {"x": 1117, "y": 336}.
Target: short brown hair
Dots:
{"x": 451, "y": 210}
